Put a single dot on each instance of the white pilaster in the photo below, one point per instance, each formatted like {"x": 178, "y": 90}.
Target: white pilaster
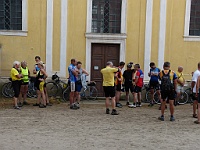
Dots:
{"x": 162, "y": 33}
{"x": 63, "y": 38}
{"x": 148, "y": 37}
{"x": 123, "y": 16}
{"x": 49, "y": 36}
{"x": 24, "y": 15}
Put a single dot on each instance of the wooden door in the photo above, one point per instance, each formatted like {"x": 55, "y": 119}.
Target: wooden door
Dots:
{"x": 102, "y": 53}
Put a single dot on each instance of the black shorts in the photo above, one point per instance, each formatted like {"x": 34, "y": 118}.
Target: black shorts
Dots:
{"x": 154, "y": 85}
{"x": 24, "y": 83}
{"x": 118, "y": 87}
{"x": 194, "y": 98}
{"x": 137, "y": 89}
{"x": 109, "y": 91}
{"x": 129, "y": 87}
{"x": 168, "y": 95}
{"x": 16, "y": 87}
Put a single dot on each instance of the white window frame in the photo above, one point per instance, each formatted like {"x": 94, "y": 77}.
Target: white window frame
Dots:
{"x": 89, "y": 16}
{"x": 24, "y": 30}
{"x": 186, "y": 35}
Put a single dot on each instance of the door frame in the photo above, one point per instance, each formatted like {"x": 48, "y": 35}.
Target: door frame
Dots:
{"x": 91, "y": 38}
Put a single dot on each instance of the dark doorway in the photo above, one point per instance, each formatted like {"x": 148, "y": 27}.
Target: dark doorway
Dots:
{"x": 102, "y": 53}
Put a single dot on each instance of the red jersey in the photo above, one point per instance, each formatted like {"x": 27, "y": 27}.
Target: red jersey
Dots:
{"x": 140, "y": 77}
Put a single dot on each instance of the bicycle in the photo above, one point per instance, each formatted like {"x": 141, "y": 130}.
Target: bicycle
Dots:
{"x": 89, "y": 92}
{"x": 32, "y": 91}
{"x": 148, "y": 95}
{"x": 54, "y": 86}
{"x": 7, "y": 89}
{"x": 8, "y": 92}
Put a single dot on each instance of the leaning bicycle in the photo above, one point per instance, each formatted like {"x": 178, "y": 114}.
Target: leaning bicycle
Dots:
{"x": 56, "y": 85}
{"x": 89, "y": 92}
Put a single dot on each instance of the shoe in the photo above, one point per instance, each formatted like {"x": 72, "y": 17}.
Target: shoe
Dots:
{"x": 42, "y": 106}
{"x": 49, "y": 104}
{"x": 20, "y": 104}
{"x": 139, "y": 104}
{"x": 114, "y": 112}
{"x": 107, "y": 111}
{"x": 161, "y": 118}
{"x": 127, "y": 103}
{"x": 36, "y": 104}
{"x": 196, "y": 122}
{"x": 74, "y": 107}
{"x": 77, "y": 105}
{"x": 151, "y": 104}
{"x": 195, "y": 116}
{"x": 172, "y": 118}
{"x": 25, "y": 103}
{"x": 132, "y": 105}
{"x": 17, "y": 107}
{"x": 119, "y": 105}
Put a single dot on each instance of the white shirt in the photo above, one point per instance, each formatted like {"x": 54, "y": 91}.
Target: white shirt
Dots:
{"x": 194, "y": 78}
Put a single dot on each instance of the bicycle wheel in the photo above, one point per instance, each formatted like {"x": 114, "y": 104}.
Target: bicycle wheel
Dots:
{"x": 156, "y": 98}
{"x": 189, "y": 92}
{"x": 66, "y": 94}
{"x": 183, "y": 98}
{"x": 91, "y": 93}
{"x": 9, "y": 90}
{"x": 52, "y": 89}
{"x": 32, "y": 91}
{"x": 3, "y": 90}
{"x": 148, "y": 96}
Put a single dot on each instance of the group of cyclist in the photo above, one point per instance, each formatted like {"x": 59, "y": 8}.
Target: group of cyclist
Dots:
{"x": 20, "y": 79}
{"x": 167, "y": 83}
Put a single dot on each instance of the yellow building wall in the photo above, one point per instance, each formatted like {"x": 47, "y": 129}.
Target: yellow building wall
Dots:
{"x": 26, "y": 48}
{"x": 56, "y": 35}
{"x": 136, "y": 13}
{"x": 76, "y": 41}
{"x": 178, "y": 51}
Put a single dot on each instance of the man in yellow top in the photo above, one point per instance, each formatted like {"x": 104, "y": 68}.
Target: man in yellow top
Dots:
{"x": 108, "y": 86}
{"x": 180, "y": 83}
{"x": 168, "y": 85}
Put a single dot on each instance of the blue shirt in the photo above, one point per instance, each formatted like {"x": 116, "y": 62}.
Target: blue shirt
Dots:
{"x": 72, "y": 77}
{"x": 155, "y": 77}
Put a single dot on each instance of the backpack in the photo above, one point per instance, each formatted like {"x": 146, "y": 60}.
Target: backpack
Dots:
{"x": 166, "y": 82}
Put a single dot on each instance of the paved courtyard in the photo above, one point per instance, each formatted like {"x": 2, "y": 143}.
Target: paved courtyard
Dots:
{"x": 89, "y": 128}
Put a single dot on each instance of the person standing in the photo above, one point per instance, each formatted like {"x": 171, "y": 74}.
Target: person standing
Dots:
{"x": 25, "y": 80}
{"x": 81, "y": 72}
{"x": 16, "y": 82}
{"x": 128, "y": 76}
{"x": 108, "y": 86}
{"x": 198, "y": 98}
{"x": 73, "y": 73}
{"x": 168, "y": 86}
{"x": 154, "y": 82}
{"x": 195, "y": 93}
{"x": 180, "y": 84}
{"x": 118, "y": 84}
{"x": 138, "y": 86}
{"x": 40, "y": 81}
{"x": 35, "y": 70}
